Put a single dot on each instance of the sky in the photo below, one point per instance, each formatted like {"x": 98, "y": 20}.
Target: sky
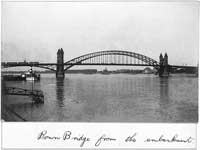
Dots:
{"x": 36, "y": 30}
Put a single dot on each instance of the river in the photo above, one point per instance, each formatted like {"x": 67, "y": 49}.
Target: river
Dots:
{"x": 109, "y": 98}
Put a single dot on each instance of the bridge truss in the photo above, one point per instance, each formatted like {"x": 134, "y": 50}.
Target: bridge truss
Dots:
{"x": 112, "y": 57}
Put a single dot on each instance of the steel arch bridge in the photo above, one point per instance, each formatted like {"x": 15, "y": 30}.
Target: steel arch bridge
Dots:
{"x": 112, "y": 57}
{"x": 109, "y": 57}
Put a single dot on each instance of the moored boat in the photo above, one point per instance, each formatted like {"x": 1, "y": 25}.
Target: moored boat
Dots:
{"x": 31, "y": 76}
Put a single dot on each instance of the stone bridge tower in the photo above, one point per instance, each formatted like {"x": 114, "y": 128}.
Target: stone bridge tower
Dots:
{"x": 60, "y": 73}
{"x": 164, "y": 67}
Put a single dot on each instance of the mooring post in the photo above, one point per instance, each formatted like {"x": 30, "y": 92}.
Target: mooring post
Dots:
{"x": 60, "y": 73}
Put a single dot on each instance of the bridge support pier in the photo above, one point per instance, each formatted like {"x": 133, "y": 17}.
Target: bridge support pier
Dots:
{"x": 60, "y": 73}
{"x": 164, "y": 67}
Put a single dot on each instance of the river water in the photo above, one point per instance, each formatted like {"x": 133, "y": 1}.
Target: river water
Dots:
{"x": 110, "y": 98}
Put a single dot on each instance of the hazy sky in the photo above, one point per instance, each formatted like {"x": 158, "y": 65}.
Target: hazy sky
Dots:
{"x": 35, "y": 30}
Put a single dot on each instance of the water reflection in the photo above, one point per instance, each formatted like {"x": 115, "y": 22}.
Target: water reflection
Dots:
{"x": 164, "y": 90}
{"x": 164, "y": 102}
{"x": 60, "y": 97}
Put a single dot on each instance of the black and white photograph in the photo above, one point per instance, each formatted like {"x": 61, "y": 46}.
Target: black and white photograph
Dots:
{"x": 116, "y": 62}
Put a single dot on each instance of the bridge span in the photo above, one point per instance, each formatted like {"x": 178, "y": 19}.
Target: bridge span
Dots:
{"x": 110, "y": 57}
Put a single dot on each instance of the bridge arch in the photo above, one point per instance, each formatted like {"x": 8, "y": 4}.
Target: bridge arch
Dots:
{"x": 79, "y": 60}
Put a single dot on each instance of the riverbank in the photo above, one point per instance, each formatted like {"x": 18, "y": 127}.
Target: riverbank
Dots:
{"x": 7, "y": 114}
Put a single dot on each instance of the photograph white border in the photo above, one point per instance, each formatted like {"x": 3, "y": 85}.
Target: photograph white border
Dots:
{"x": 27, "y": 125}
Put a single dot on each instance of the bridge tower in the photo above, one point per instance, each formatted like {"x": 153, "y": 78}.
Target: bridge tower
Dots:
{"x": 161, "y": 68}
{"x": 161, "y": 59}
{"x": 60, "y": 73}
{"x": 164, "y": 67}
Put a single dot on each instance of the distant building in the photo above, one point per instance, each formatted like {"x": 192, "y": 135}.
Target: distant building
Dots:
{"x": 148, "y": 70}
